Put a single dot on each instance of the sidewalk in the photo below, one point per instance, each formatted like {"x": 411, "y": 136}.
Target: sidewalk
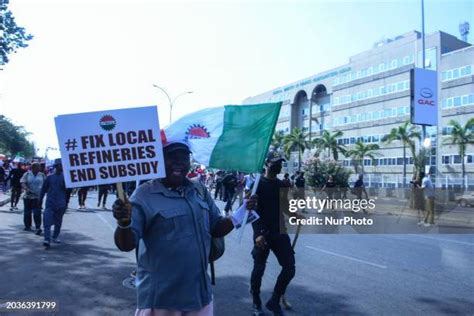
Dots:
{"x": 4, "y": 198}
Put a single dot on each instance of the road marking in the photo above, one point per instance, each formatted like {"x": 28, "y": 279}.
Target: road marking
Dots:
{"x": 347, "y": 257}
{"x": 105, "y": 221}
{"x": 448, "y": 240}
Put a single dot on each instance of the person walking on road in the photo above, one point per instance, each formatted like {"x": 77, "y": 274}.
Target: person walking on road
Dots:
{"x": 359, "y": 189}
{"x": 15, "y": 177}
{"x": 56, "y": 204}
{"x": 103, "y": 192}
{"x": 230, "y": 183}
{"x": 330, "y": 188}
{"x": 219, "y": 188}
{"x": 172, "y": 221}
{"x": 82, "y": 196}
{"x": 268, "y": 237}
{"x": 32, "y": 182}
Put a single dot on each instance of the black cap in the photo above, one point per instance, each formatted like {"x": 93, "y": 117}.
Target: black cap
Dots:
{"x": 57, "y": 161}
{"x": 274, "y": 156}
{"x": 173, "y": 146}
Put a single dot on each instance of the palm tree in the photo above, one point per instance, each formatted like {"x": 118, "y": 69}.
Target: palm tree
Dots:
{"x": 328, "y": 141}
{"x": 277, "y": 139}
{"x": 296, "y": 140}
{"x": 360, "y": 151}
{"x": 461, "y": 136}
{"x": 405, "y": 133}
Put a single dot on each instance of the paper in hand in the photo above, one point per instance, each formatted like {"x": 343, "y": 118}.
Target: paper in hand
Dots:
{"x": 239, "y": 215}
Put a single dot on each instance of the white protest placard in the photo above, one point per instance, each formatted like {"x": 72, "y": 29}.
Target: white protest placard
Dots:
{"x": 112, "y": 146}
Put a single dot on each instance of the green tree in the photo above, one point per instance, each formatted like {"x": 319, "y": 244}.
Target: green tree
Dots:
{"x": 317, "y": 171}
{"x": 13, "y": 139}
{"x": 406, "y": 134}
{"x": 12, "y": 36}
{"x": 328, "y": 141}
{"x": 360, "y": 151}
{"x": 461, "y": 136}
{"x": 277, "y": 139}
{"x": 296, "y": 141}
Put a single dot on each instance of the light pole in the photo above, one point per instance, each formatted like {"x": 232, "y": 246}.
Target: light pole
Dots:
{"x": 46, "y": 152}
{"x": 171, "y": 101}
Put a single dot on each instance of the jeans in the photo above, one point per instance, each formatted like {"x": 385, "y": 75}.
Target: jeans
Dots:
{"x": 281, "y": 247}
{"x": 53, "y": 216}
{"x": 32, "y": 206}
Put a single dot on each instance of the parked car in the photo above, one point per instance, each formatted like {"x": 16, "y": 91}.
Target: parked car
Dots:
{"x": 466, "y": 199}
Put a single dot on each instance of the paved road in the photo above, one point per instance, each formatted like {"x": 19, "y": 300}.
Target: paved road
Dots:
{"x": 336, "y": 274}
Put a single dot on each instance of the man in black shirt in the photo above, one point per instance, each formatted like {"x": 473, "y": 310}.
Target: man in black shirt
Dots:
{"x": 267, "y": 237}
{"x": 15, "y": 177}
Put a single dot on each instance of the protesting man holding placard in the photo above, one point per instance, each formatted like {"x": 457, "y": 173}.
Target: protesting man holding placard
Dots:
{"x": 172, "y": 223}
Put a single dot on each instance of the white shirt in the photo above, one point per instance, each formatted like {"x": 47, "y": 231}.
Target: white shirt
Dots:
{"x": 428, "y": 187}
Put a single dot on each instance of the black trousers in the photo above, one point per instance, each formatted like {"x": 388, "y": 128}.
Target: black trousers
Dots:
{"x": 82, "y": 196}
{"x": 68, "y": 196}
{"x": 103, "y": 193}
{"x": 16, "y": 192}
{"x": 280, "y": 245}
{"x": 218, "y": 190}
{"x": 32, "y": 206}
{"x": 229, "y": 195}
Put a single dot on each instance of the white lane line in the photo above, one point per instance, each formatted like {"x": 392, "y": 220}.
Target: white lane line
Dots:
{"x": 448, "y": 240}
{"x": 347, "y": 257}
{"x": 105, "y": 221}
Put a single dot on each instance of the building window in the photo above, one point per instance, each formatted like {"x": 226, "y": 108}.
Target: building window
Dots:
{"x": 469, "y": 158}
{"x": 457, "y": 101}
{"x": 456, "y": 159}
{"x": 456, "y": 73}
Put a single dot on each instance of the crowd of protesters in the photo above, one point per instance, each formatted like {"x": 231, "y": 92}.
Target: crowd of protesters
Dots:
{"x": 36, "y": 182}
{"x": 175, "y": 199}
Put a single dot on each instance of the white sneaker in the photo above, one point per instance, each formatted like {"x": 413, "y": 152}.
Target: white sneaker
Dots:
{"x": 420, "y": 223}
{"x": 56, "y": 240}
{"x": 426, "y": 224}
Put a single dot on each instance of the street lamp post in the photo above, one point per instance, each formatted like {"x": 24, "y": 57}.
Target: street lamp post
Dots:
{"x": 171, "y": 101}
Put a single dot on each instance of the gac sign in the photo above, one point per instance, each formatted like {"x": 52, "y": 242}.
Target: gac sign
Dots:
{"x": 426, "y": 93}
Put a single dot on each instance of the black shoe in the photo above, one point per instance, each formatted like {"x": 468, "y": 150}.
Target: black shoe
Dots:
{"x": 46, "y": 245}
{"x": 257, "y": 305}
{"x": 38, "y": 231}
{"x": 274, "y": 306}
{"x": 27, "y": 229}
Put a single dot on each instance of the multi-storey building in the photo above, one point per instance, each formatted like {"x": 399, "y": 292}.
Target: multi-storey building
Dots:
{"x": 370, "y": 95}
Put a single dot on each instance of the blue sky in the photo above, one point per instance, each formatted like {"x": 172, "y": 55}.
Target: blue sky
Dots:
{"x": 96, "y": 55}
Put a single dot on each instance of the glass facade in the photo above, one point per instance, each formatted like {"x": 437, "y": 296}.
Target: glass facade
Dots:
{"x": 372, "y": 93}
{"x": 375, "y": 69}
{"x": 462, "y": 100}
{"x": 372, "y": 116}
{"x": 456, "y": 73}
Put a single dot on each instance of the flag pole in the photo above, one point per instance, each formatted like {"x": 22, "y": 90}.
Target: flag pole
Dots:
{"x": 120, "y": 192}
